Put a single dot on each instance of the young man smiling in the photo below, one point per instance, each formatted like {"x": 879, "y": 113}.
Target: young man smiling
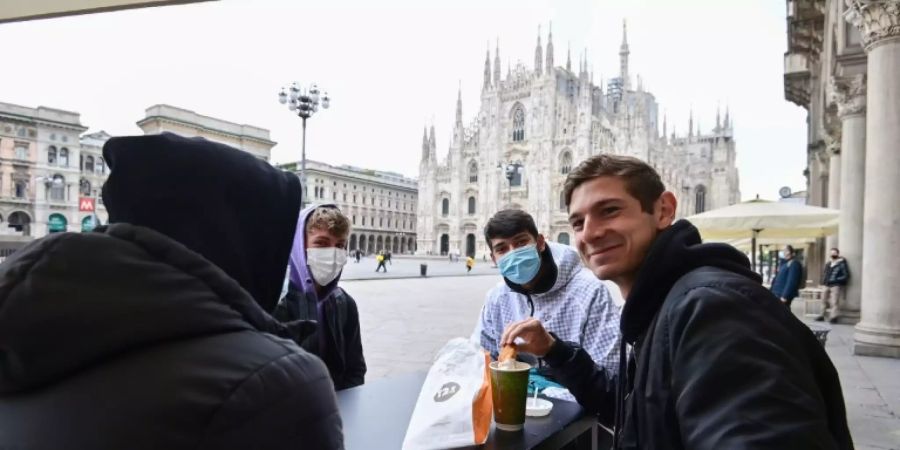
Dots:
{"x": 714, "y": 360}
{"x": 545, "y": 284}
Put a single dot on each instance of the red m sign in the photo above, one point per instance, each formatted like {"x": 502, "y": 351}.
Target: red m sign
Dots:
{"x": 86, "y": 204}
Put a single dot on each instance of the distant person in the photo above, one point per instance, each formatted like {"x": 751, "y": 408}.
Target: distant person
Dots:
{"x": 317, "y": 258}
{"x": 470, "y": 263}
{"x": 786, "y": 284}
{"x": 836, "y": 275}
{"x": 154, "y": 331}
{"x": 545, "y": 285}
{"x": 357, "y": 255}
{"x": 380, "y": 259}
{"x": 710, "y": 359}
{"x": 387, "y": 257}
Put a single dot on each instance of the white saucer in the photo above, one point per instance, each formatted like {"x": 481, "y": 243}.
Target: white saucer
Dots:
{"x": 537, "y": 407}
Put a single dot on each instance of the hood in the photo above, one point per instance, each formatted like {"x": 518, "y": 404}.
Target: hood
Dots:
{"x": 298, "y": 270}
{"x": 675, "y": 252}
{"x": 562, "y": 261}
{"x": 232, "y": 208}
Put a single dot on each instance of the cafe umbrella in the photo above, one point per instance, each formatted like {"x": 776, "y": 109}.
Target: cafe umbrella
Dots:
{"x": 764, "y": 219}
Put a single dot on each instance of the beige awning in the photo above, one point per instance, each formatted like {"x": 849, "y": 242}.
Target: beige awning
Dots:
{"x": 16, "y": 10}
{"x": 770, "y": 220}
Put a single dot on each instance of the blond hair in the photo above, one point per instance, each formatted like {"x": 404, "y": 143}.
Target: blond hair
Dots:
{"x": 329, "y": 219}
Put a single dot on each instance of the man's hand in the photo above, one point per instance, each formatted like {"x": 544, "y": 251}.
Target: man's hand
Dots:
{"x": 537, "y": 340}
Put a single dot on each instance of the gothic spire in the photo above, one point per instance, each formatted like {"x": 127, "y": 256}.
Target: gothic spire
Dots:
{"x": 459, "y": 106}
{"x": 497, "y": 64}
{"x": 718, "y": 118}
{"x": 487, "y": 68}
{"x": 569, "y": 58}
{"x": 425, "y": 145}
{"x": 727, "y": 119}
{"x": 538, "y": 55}
{"x": 691, "y": 124}
{"x": 550, "y": 50}
{"x": 431, "y": 141}
{"x": 623, "y": 57}
{"x": 665, "y": 126}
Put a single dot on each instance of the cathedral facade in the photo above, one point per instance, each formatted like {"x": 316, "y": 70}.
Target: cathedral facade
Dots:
{"x": 533, "y": 126}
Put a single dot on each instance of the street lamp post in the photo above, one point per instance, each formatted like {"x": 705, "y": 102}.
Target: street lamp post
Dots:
{"x": 512, "y": 169}
{"x": 305, "y": 102}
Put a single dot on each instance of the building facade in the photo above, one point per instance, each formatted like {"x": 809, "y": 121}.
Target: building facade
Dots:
{"x": 167, "y": 118}
{"x": 843, "y": 66}
{"x": 381, "y": 206}
{"x": 43, "y": 175}
{"x": 542, "y": 121}
{"x": 49, "y": 169}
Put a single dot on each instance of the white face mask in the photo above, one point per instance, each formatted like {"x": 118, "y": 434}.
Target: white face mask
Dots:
{"x": 325, "y": 263}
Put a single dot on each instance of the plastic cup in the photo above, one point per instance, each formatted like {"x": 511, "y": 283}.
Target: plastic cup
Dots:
{"x": 509, "y": 389}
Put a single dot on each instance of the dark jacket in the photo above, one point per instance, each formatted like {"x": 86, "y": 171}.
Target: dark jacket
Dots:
{"x": 338, "y": 343}
{"x": 343, "y": 345}
{"x": 717, "y": 361}
{"x": 786, "y": 284}
{"x": 140, "y": 338}
{"x": 836, "y": 273}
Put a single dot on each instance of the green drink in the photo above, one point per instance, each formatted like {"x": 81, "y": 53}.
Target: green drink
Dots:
{"x": 509, "y": 388}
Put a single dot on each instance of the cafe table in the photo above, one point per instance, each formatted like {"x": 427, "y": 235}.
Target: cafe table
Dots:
{"x": 376, "y": 416}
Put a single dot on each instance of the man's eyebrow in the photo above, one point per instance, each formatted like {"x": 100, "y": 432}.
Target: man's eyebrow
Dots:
{"x": 597, "y": 204}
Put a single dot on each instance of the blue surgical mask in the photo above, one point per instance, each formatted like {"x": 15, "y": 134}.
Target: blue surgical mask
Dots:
{"x": 520, "y": 265}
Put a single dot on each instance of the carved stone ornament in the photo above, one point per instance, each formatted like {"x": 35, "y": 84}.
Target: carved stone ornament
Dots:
{"x": 876, "y": 19}
{"x": 849, "y": 94}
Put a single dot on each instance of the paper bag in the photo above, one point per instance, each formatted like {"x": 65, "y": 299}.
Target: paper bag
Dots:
{"x": 454, "y": 407}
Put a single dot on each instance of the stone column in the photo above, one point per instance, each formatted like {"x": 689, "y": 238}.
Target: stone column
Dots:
{"x": 878, "y": 331}
{"x": 834, "y": 185}
{"x": 850, "y": 97}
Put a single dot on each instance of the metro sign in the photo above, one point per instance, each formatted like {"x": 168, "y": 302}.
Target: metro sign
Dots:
{"x": 86, "y": 204}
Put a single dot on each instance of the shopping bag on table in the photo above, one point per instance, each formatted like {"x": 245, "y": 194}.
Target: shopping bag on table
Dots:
{"x": 454, "y": 407}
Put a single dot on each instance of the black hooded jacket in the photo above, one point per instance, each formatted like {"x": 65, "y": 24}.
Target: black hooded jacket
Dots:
{"x": 153, "y": 332}
{"x": 717, "y": 360}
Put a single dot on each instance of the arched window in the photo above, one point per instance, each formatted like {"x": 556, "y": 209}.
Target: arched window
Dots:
{"x": 101, "y": 166}
{"x": 21, "y": 188}
{"x": 565, "y": 163}
{"x": 58, "y": 188}
{"x": 518, "y": 116}
{"x": 85, "y": 186}
{"x": 445, "y": 207}
{"x": 64, "y": 157}
{"x": 471, "y": 205}
{"x": 89, "y": 164}
{"x": 563, "y": 238}
{"x": 700, "y": 199}
{"x": 562, "y": 201}
{"x": 473, "y": 172}
{"x": 51, "y": 156}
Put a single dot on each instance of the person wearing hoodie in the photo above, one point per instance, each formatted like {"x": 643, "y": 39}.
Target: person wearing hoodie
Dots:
{"x": 154, "y": 331}
{"x": 545, "y": 283}
{"x": 318, "y": 255}
{"x": 835, "y": 279}
{"x": 710, "y": 359}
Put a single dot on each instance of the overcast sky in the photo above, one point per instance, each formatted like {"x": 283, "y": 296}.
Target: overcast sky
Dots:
{"x": 393, "y": 66}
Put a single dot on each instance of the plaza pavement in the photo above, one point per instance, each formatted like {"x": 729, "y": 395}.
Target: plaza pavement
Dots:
{"x": 405, "y": 321}
{"x": 408, "y": 267}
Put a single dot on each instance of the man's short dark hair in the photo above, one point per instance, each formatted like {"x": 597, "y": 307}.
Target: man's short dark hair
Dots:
{"x": 508, "y": 223}
{"x": 641, "y": 180}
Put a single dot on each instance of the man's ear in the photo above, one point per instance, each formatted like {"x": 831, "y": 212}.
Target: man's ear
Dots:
{"x": 541, "y": 243}
{"x": 665, "y": 210}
